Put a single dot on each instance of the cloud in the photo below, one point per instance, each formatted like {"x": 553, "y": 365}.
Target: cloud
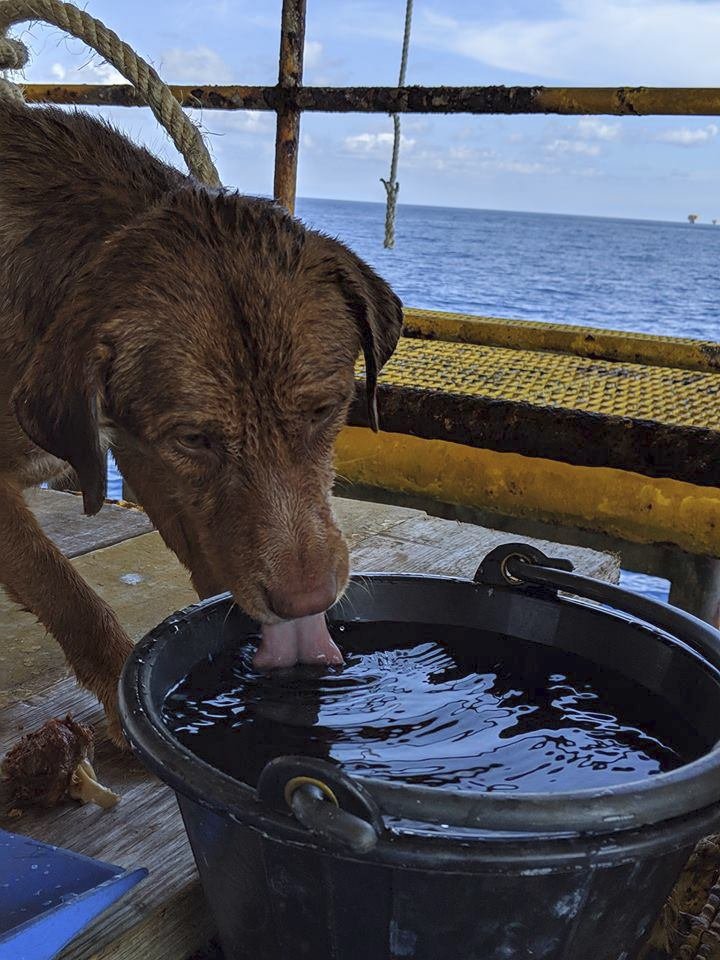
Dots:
{"x": 375, "y": 143}
{"x": 584, "y": 138}
{"x": 609, "y": 42}
{"x": 460, "y": 158}
{"x": 220, "y": 123}
{"x": 685, "y": 137}
{"x": 319, "y": 68}
{"x": 523, "y": 167}
{"x": 465, "y": 155}
{"x": 199, "y": 65}
{"x": 417, "y": 126}
{"x": 468, "y": 161}
{"x": 92, "y": 71}
{"x": 593, "y": 128}
{"x": 573, "y": 146}
{"x": 313, "y": 55}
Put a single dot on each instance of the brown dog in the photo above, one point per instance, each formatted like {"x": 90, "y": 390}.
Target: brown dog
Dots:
{"x": 210, "y": 341}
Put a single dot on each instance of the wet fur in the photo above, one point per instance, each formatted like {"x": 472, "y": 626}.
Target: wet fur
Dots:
{"x": 143, "y": 311}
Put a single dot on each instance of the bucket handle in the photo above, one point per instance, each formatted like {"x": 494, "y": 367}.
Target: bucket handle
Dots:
{"x": 327, "y": 802}
{"x": 524, "y": 567}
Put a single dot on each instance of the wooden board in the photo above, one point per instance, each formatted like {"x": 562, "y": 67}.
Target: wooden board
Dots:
{"x": 61, "y": 517}
{"x": 358, "y": 523}
{"x": 140, "y": 579}
{"x": 426, "y": 544}
{"x": 165, "y": 917}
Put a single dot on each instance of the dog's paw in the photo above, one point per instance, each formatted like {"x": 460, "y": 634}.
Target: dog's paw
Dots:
{"x": 105, "y": 688}
{"x": 116, "y": 736}
{"x": 114, "y": 731}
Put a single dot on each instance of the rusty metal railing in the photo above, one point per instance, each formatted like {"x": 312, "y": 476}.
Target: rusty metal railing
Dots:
{"x": 289, "y": 99}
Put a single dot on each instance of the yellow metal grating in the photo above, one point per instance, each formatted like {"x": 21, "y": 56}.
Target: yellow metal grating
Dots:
{"x": 593, "y": 342}
{"x": 686, "y": 398}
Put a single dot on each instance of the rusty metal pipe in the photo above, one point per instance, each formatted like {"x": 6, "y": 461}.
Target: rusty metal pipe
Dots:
{"x": 289, "y": 97}
{"x": 287, "y": 133}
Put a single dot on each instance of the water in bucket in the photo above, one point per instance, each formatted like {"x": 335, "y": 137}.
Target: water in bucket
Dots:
{"x": 458, "y": 708}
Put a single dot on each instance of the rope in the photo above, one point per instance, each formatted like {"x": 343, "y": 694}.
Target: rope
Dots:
{"x": 13, "y": 56}
{"x": 391, "y": 185}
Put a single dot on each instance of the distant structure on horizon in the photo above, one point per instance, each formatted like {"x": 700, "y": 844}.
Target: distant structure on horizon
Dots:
{"x": 692, "y": 217}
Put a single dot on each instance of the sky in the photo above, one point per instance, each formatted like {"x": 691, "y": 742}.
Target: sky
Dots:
{"x": 656, "y": 168}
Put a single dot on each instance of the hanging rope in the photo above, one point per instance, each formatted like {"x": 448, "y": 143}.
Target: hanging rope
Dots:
{"x": 391, "y": 185}
{"x": 13, "y": 56}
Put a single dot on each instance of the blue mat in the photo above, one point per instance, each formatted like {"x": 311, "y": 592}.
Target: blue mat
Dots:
{"x": 49, "y": 895}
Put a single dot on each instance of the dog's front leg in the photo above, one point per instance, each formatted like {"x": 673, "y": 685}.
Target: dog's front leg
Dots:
{"x": 152, "y": 487}
{"x": 38, "y": 577}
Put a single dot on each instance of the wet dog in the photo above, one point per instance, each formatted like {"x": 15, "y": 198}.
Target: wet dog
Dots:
{"x": 209, "y": 340}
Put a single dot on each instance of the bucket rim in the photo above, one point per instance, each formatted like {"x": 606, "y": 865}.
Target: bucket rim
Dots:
{"x": 686, "y": 790}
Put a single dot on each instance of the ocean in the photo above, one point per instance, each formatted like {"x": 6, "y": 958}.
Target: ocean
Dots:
{"x": 642, "y": 275}
{"x": 648, "y": 276}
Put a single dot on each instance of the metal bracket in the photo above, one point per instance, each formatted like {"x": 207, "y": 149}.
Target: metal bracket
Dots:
{"x": 494, "y": 571}
{"x": 326, "y": 801}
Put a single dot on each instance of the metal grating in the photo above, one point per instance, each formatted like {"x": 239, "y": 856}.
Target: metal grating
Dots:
{"x": 678, "y": 397}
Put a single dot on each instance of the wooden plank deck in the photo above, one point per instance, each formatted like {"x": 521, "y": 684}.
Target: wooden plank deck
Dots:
{"x": 61, "y": 517}
{"x": 165, "y": 917}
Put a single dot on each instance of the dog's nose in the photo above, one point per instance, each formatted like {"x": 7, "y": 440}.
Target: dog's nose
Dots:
{"x": 290, "y": 601}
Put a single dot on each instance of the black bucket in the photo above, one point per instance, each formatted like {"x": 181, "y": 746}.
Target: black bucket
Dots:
{"x": 565, "y": 876}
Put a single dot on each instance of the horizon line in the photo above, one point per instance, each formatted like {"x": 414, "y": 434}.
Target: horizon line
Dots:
{"x": 533, "y": 213}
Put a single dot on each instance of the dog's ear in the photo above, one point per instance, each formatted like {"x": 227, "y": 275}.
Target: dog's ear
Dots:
{"x": 55, "y": 402}
{"x": 378, "y": 314}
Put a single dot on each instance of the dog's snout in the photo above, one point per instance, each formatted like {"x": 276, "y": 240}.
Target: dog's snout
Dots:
{"x": 292, "y": 600}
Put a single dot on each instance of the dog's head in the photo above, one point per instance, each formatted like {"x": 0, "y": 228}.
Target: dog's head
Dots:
{"x": 218, "y": 338}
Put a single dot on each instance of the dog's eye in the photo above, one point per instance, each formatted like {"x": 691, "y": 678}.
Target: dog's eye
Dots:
{"x": 194, "y": 441}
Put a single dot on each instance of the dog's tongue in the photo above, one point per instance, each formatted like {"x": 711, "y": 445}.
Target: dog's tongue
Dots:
{"x": 296, "y": 641}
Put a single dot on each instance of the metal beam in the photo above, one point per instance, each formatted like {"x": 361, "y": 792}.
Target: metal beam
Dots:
{"x": 287, "y": 134}
{"x": 648, "y": 447}
{"x": 694, "y": 580}
{"x": 663, "y": 513}
{"x": 616, "y": 101}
